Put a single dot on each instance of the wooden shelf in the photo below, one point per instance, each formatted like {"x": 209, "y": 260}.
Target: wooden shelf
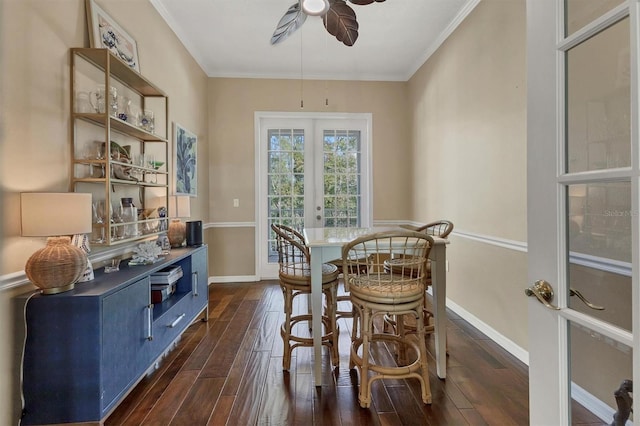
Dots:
{"x": 120, "y": 126}
{"x": 108, "y": 62}
{"x": 99, "y": 67}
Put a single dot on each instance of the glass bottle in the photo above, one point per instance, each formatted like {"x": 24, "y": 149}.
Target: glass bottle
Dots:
{"x": 130, "y": 216}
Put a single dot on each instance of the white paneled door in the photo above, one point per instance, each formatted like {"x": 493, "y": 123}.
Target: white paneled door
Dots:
{"x": 313, "y": 171}
{"x": 583, "y": 208}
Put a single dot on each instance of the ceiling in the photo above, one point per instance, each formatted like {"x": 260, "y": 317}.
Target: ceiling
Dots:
{"x": 231, "y": 38}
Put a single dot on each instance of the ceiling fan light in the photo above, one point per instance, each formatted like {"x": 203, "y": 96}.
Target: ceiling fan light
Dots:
{"x": 315, "y": 7}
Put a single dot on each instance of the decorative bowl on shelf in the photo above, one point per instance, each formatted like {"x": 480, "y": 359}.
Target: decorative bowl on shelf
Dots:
{"x": 155, "y": 165}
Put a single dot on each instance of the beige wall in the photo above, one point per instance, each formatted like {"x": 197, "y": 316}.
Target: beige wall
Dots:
{"x": 36, "y": 36}
{"x": 469, "y": 141}
{"x": 232, "y": 104}
{"x": 452, "y": 139}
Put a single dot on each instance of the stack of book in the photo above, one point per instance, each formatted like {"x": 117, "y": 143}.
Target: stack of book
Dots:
{"x": 163, "y": 283}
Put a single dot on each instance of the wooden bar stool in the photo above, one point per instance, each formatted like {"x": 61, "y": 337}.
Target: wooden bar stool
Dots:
{"x": 439, "y": 228}
{"x": 295, "y": 279}
{"x": 378, "y": 291}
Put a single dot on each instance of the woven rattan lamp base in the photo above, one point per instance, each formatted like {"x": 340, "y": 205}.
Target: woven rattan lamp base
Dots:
{"x": 56, "y": 267}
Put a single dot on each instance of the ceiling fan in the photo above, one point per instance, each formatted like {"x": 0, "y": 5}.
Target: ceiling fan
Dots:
{"x": 337, "y": 16}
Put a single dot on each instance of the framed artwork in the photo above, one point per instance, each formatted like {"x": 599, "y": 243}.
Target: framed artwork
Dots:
{"x": 104, "y": 32}
{"x": 185, "y": 149}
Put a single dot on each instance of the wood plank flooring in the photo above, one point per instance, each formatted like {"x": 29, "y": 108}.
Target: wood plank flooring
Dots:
{"x": 228, "y": 371}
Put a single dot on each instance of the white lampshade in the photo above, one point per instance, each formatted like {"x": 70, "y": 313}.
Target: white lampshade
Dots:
{"x": 179, "y": 206}
{"x": 48, "y": 214}
{"x": 315, "y": 7}
{"x": 58, "y": 266}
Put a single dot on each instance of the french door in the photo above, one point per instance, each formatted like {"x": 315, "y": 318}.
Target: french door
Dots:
{"x": 314, "y": 171}
{"x": 583, "y": 208}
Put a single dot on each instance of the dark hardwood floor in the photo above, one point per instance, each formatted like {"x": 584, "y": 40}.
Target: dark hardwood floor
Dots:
{"x": 229, "y": 371}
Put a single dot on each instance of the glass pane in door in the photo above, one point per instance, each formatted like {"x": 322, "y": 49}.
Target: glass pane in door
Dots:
{"x": 579, "y": 13}
{"x": 342, "y": 177}
{"x": 599, "y": 214}
{"x": 598, "y": 366}
{"x": 598, "y": 101}
{"x": 285, "y": 175}
{"x": 599, "y": 243}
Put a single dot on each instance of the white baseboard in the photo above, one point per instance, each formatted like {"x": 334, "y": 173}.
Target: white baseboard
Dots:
{"x": 593, "y": 404}
{"x": 501, "y": 340}
{"x": 234, "y": 279}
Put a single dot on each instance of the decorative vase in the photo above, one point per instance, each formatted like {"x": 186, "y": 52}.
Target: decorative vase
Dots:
{"x": 177, "y": 233}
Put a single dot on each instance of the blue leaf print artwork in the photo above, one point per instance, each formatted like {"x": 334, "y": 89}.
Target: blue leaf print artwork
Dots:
{"x": 186, "y": 177}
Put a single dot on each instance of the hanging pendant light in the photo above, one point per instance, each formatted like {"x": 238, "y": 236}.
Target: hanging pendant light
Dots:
{"x": 315, "y": 7}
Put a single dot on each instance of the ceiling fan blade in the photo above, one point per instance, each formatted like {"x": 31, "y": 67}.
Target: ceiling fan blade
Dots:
{"x": 340, "y": 21}
{"x": 291, "y": 21}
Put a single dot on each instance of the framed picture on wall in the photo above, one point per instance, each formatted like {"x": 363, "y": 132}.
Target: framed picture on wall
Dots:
{"x": 104, "y": 32}
{"x": 185, "y": 165}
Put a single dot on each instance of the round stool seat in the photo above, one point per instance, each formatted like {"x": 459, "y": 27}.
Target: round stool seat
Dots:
{"x": 400, "y": 266}
{"x": 300, "y": 274}
{"x": 386, "y": 289}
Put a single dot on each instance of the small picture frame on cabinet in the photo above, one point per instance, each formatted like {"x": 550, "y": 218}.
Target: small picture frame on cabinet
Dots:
{"x": 104, "y": 32}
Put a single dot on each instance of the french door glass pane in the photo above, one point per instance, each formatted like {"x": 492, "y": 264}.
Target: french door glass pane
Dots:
{"x": 599, "y": 216}
{"x": 342, "y": 177}
{"x": 579, "y": 13}
{"x": 609, "y": 290}
{"x": 599, "y": 243}
{"x": 598, "y": 101}
{"x": 600, "y": 220}
{"x": 598, "y": 366}
{"x": 285, "y": 174}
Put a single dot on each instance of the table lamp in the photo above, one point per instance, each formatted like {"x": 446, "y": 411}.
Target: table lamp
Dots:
{"x": 179, "y": 207}
{"x": 58, "y": 266}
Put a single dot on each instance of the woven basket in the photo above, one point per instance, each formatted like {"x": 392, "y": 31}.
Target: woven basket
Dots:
{"x": 56, "y": 267}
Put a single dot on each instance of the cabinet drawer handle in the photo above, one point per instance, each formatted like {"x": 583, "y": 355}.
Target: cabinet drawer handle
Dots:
{"x": 177, "y": 320}
{"x": 194, "y": 283}
{"x": 150, "y": 322}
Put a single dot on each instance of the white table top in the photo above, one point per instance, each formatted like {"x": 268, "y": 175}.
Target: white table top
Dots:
{"x": 340, "y": 236}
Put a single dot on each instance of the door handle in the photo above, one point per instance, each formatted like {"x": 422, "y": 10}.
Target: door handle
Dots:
{"x": 176, "y": 321}
{"x": 543, "y": 291}
{"x": 194, "y": 283}
{"x": 573, "y": 292}
{"x": 150, "y": 321}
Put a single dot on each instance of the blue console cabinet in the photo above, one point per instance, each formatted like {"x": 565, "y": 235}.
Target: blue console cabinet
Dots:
{"x": 86, "y": 348}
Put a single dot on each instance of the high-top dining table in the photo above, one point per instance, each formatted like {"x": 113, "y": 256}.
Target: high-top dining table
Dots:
{"x": 326, "y": 244}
